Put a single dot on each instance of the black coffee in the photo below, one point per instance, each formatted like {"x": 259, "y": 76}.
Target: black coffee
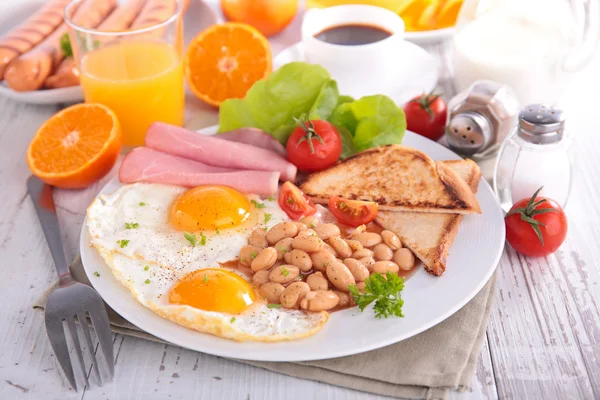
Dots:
{"x": 353, "y": 34}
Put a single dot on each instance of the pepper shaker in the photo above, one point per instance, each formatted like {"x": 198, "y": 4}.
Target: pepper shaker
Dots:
{"x": 480, "y": 118}
{"x": 537, "y": 153}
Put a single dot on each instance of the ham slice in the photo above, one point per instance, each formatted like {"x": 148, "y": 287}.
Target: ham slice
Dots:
{"x": 255, "y": 137}
{"x": 146, "y": 165}
{"x": 212, "y": 151}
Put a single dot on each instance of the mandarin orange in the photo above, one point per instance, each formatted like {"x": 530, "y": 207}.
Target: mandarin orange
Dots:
{"x": 225, "y": 60}
{"x": 75, "y": 147}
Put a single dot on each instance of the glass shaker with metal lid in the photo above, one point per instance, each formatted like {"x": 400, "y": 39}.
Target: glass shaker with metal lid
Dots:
{"x": 480, "y": 118}
{"x": 537, "y": 153}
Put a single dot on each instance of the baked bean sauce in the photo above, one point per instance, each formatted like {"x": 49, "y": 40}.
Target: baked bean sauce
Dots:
{"x": 345, "y": 232}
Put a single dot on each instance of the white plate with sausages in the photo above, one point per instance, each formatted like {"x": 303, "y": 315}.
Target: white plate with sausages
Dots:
{"x": 15, "y": 13}
{"x": 428, "y": 300}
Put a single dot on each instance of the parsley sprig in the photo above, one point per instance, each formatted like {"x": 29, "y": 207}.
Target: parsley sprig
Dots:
{"x": 131, "y": 225}
{"x": 384, "y": 291}
{"x": 257, "y": 204}
{"x": 193, "y": 239}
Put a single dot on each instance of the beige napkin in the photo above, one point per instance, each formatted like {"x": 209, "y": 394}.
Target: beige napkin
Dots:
{"x": 425, "y": 366}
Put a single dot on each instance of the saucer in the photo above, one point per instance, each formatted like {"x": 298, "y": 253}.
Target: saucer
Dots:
{"x": 419, "y": 75}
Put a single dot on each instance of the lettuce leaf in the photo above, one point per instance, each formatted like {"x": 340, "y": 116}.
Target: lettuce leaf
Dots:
{"x": 273, "y": 103}
{"x": 299, "y": 91}
{"x": 374, "y": 120}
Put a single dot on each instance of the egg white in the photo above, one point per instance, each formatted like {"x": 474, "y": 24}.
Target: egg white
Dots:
{"x": 169, "y": 256}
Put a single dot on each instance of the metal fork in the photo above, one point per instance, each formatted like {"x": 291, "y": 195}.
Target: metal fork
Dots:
{"x": 71, "y": 300}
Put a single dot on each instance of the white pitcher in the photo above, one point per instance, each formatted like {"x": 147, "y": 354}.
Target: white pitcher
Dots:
{"x": 533, "y": 46}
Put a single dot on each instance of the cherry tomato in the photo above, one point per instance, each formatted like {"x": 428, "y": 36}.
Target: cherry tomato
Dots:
{"x": 295, "y": 203}
{"x": 314, "y": 145}
{"x": 352, "y": 212}
{"x": 426, "y": 115}
{"x": 536, "y": 227}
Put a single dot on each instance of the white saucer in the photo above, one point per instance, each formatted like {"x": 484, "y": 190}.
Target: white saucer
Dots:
{"x": 420, "y": 73}
{"x": 430, "y": 37}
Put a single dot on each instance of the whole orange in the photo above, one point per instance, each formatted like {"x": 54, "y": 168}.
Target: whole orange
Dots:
{"x": 268, "y": 16}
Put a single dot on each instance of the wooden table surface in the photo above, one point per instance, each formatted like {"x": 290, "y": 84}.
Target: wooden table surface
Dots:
{"x": 543, "y": 339}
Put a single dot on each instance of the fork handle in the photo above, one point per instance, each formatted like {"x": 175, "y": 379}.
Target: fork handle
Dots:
{"x": 41, "y": 194}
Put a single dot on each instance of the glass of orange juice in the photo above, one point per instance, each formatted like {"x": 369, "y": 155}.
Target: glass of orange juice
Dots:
{"x": 137, "y": 72}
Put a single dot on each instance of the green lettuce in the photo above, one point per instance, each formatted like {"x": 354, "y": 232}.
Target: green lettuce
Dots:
{"x": 273, "y": 103}
{"x": 375, "y": 121}
{"x": 300, "y": 91}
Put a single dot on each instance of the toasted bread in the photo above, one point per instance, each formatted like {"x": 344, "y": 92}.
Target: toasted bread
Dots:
{"x": 398, "y": 178}
{"x": 430, "y": 235}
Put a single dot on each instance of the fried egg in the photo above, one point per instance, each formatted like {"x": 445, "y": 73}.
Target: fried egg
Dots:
{"x": 170, "y": 246}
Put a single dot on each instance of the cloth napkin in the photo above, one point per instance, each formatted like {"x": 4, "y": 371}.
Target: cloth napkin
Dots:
{"x": 425, "y": 366}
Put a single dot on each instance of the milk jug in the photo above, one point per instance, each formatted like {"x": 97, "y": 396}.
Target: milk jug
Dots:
{"x": 530, "y": 45}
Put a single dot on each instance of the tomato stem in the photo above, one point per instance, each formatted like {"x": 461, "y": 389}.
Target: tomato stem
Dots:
{"x": 425, "y": 102}
{"x": 310, "y": 133}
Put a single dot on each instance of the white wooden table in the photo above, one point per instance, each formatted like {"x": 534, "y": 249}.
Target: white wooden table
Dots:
{"x": 543, "y": 339}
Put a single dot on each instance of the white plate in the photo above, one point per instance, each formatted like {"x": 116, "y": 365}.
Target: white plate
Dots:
{"x": 197, "y": 18}
{"x": 430, "y": 37}
{"x": 428, "y": 300}
{"x": 419, "y": 74}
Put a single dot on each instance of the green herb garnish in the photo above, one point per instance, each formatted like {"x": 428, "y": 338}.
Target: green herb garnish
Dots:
{"x": 205, "y": 278}
{"x": 65, "y": 46}
{"x": 268, "y": 217}
{"x": 190, "y": 237}
{"x": 147, "y": 281}
{"x": 253, "y": 255}
{"x": 96, "y": 273}
{"x": 123, "y": 243}
{"x": 271, "y": 198}
{"x": 257, "y": 204}
{"x": 384, "y": 291}
{"x": 131, "y": 225}
{"x": 273, "y": 305}
{"x": 284, "y": 271}
{"x": 232, "y": 320}
{"x": 146, "y": 268}
{"x": 202, "y": 239}
{"x": 142, "y": 204}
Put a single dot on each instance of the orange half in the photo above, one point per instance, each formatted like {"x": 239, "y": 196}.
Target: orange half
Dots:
{"x": 75, "y": 147}
{"x": 225, "y": 60}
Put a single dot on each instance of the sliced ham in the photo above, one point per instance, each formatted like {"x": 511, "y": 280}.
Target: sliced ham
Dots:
{"x": 212, "y": 151}
{"x": 255, "y": 137}
{"x": 146, "y": 165}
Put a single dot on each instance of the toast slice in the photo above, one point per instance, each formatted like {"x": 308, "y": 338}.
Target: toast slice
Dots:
{"x": 430, "y": 235}
{"x": 398, "y": 178}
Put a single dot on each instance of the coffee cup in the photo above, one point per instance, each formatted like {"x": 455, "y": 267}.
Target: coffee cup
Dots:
{"x": 359, "y": 68}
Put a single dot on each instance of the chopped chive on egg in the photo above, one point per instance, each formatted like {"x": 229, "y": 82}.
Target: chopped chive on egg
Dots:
{"x": 273, "y": 305}
{"x": 96, "y": 273}
{"x": 232, "y": 320}
{"x": 147, "y": 281}
{"x": 146, "y": 268}
{"x": 123, "y": 243}
{"x": 131, "y": 225}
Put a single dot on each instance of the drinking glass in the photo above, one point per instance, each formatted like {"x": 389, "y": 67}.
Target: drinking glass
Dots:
{"x": 137, "y": 73}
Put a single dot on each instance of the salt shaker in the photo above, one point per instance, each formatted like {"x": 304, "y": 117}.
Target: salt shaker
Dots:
{"x": 537, "y": 153}
{"x": 480, "y": 119}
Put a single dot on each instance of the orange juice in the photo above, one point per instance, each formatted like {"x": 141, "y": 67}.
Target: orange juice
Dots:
{"x": 140, "y": 80}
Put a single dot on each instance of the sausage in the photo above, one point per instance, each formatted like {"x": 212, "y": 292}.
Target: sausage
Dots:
{"x": 28, "y": 34}
{"x": 120, "y": 19}
{"x": 155, "y": 12}
{"x": 30, "y": 70}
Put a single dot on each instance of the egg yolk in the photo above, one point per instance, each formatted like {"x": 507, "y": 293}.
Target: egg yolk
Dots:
{"x": 209, "y": 208}
{"x": 213, "y": 289}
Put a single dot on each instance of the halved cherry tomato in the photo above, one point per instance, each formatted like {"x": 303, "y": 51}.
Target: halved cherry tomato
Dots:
{"x": 353, "y": 212}
{"x": 295, "y": 203}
